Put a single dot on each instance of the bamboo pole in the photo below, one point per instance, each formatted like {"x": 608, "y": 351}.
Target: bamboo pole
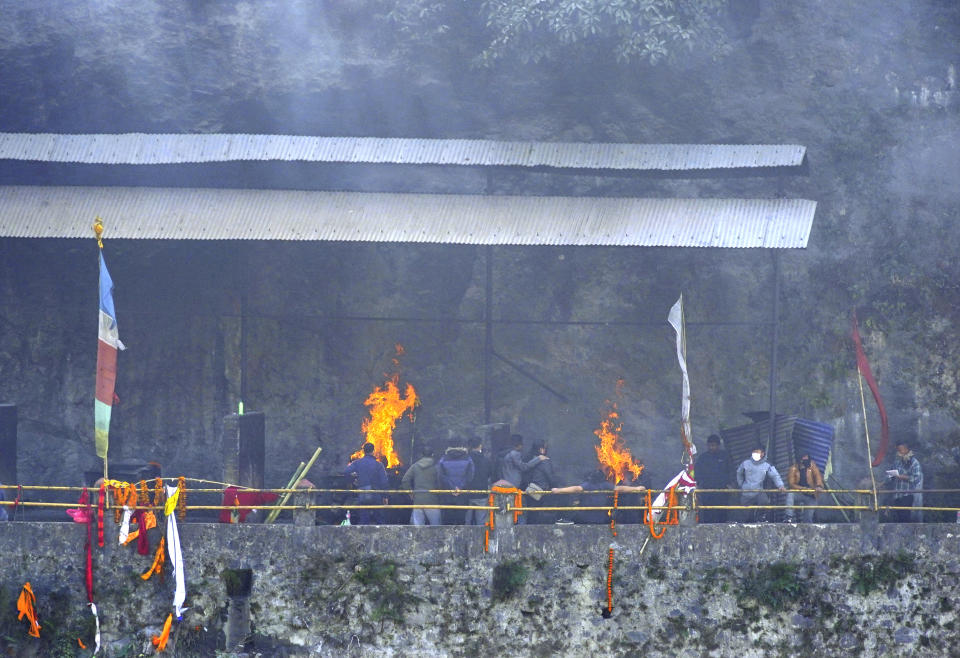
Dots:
{"x": 299, "y": 476}
{"x": 866, "y": 433}
{"x": 296, "y": 477}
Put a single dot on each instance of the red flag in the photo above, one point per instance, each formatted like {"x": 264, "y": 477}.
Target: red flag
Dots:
{"x": 864, "y": 367}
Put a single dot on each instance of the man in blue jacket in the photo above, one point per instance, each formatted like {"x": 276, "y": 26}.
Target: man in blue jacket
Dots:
{"x": 370, "y": 475}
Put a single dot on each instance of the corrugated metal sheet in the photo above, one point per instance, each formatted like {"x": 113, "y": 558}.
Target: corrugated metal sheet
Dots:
{"x": 213, "y": 214}
{"x": 793, "y": 436}
{"x": 814, "y": 438}
{"x": 740, "y": 441}
{"x": 141, "y": 148}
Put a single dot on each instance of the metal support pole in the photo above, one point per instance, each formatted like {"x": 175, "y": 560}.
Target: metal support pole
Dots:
{"x": 488, "y": 337}
{"x": 774, "y": 343}
{"x": 243, "y": 323}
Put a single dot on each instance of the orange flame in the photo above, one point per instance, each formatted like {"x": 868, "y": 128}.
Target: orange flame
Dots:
{"x": 386, "y": 408}
{"x": 615, "y": 459}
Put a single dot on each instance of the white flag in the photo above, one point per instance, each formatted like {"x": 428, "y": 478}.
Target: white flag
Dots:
{"x": 675, "y": 318}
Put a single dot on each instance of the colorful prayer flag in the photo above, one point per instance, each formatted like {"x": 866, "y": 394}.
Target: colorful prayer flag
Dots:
{"x": 107, "y": 346}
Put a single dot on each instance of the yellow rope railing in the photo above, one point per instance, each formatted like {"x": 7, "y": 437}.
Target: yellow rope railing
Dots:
{"x": 510, "y": 508}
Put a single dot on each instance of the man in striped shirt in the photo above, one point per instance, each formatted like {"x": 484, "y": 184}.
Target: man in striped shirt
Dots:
{"x": 907, "y": 485}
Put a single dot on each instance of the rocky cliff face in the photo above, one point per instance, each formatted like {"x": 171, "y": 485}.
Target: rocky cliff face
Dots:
{"x": 401, "y": 591}
{"x": 871, "y": 94}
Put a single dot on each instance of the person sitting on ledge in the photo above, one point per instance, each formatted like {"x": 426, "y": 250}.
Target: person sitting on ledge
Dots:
{"x": 805, "y": 484}
{"x": 596, "y": 482}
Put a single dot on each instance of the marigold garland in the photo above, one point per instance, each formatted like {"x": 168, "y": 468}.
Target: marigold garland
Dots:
{"x": 143, "y": 496}
{"x": 610, "y": 583}
{"x": 182, "y": 500}
{"x": 117, "y": 503}
{"x": 489, "y": 524}
{"x": 101, "y": 502}
{"x": 158, "y": 493}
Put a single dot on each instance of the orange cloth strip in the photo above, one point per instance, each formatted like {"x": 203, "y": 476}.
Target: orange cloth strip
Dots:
{"x": 160, "y": 642}
{"x": 25, "y": 607}
{"x": 157, "y": 566}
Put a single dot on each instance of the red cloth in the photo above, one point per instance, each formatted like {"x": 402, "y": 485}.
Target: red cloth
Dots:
{"x": 864, "y": 367}
{"x": 143, "y": 542}
{"x": 233, "y": 496}
{"x": 88, "y": 547}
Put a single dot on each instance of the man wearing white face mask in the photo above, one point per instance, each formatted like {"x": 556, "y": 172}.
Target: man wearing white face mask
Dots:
{"x": 750, "y": 476}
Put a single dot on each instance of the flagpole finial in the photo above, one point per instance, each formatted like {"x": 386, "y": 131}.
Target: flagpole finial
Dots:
{"x": 98, "y": 231}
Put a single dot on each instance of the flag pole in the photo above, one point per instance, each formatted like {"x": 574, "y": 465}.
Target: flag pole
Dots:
{"x": 98, "y": 232}
{"x": 866, "y": 433}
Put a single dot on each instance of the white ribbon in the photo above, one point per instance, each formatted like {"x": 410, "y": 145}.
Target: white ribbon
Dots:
{"x": 125, "y": 524}
{"x": 93, "y": 609}
{"x": 176, "y": 557}
{"x": 675, "y": 318}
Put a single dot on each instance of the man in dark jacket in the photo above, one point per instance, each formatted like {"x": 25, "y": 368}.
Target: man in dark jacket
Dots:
{"x": 455, "y": 471}
{"x": 421, "y": 478}
{"x": 482, "y": 473}
{"x": 369, "y": 474}
{"x": 713, "y": 471}
{"x": 514, "y": 466}
{"x": 539, "y": 477}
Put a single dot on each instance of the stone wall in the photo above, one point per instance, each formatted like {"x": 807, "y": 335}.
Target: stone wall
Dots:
{"x": 540, "y": 591}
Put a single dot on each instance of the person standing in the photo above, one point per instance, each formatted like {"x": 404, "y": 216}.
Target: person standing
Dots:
{"x": 514, "y": 466}
{"x": 482, "y": 474}
{"x": 908, "y": 483}
{"x": 713, "y": 470}
{"x": 454, "y": 471}
{"x": 751, "y": 475}
{"x": 370, "y": 475}
{"x": 421, "y": 479}
{"x": 805, "y": 484}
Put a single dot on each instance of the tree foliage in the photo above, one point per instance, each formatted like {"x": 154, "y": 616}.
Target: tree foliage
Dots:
{"x": 531, "y": 31}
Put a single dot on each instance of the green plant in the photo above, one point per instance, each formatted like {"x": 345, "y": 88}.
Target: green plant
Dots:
{"x": 508, "y": 578}
{"x": 775, "y": 585}
{"x": 874, "y": 572}
{"x": 655, "y": 568}
{"x": 390, "y": 598}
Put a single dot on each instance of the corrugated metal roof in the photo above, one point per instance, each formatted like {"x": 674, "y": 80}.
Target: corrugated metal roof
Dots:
{"x": 213, "y": 214}
{"x": 141, "y": 148}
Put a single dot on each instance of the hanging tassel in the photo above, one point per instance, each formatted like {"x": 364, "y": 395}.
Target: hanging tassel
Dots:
{"x": 160, "y": 642}
{"x": 25, "y": 604}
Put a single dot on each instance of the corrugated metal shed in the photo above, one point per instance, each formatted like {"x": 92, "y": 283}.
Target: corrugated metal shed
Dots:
{"x": 793, "y": 436}
{"x": 214, "y": 214}
{"x": 141, "y": 148}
